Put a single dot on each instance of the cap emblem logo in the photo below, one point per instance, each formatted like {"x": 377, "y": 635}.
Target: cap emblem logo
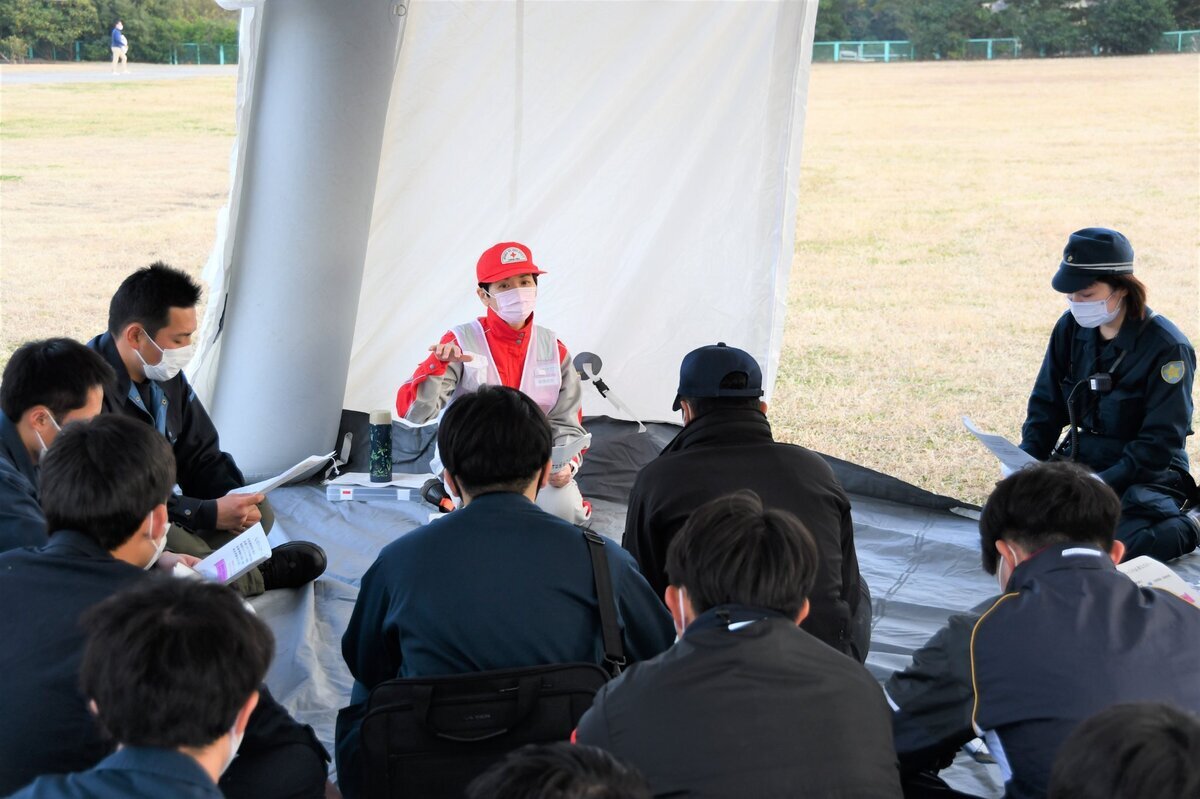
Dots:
{"x": 512, "y": 255}
{"x": 1070, "y": 259}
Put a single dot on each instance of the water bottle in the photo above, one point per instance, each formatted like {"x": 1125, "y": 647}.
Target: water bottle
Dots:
{"x": 381, "y": 446}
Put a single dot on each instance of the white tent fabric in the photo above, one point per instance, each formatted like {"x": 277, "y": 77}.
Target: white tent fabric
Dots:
{"x": 648, "y": 152}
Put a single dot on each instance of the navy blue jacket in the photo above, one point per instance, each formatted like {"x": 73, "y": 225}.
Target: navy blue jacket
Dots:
{"x": 22, "y": 523}
{"x": 131, "y": 773}
{"x": 116, "y": 37}
{"x": 45, "y": 726}
{"x": 1136, "y": 431}
{"x": 497, "y": 584}
{"x": 203, "y": 471}
{"x": 1070, "y": 636}
{"x": 748, "y": 705}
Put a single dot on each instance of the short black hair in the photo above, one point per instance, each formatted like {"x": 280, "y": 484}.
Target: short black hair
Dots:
{"x": 1133, "y": 751}
{"x": 734, "y": 380}
{"x": 559, "y": 771}
{"x": 55, "y": 372}
{"x": 103, "y": 477}
{"x": 1045, "y": 504}
{"x": 494, "y": 439}
{"x": 170, "y": 662}
{"x": 147, "y": 296}
{"x": 732, "y": 550}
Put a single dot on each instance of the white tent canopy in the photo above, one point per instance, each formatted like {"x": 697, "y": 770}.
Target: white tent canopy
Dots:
{"x": 647, "y": 152}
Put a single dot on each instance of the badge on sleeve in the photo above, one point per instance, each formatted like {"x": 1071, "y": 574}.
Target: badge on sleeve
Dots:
{"x": 1172, "y": 372}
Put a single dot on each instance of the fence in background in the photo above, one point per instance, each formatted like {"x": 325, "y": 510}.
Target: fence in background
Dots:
{"x": 185, "y": 53}
{"x": 984, "y": 49}
{"x": 200, "y": 53}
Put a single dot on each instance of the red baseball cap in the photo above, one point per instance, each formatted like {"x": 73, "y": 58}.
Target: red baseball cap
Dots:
{"x": 503, "y": 260}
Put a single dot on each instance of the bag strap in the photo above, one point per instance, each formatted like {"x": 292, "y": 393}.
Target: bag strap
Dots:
{"x": 614, "y": 648}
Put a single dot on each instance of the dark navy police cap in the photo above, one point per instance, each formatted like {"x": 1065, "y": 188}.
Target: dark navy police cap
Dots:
{"x": 703, "y": 369}
{"x": 1092, "y": 254}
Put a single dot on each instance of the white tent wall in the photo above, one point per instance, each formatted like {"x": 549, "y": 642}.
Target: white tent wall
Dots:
{"x": 648, "y": 153}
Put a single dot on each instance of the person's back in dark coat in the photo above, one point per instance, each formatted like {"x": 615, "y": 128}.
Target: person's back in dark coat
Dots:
{"x": 726, "y": 450}
{"x": 762, "y": 710}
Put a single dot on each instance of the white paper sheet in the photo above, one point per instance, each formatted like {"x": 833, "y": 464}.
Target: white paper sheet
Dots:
{"x": 1149, "y": 573}
{"x": 303, "y": 469}
{"x": 237, "y": 557}
{"x": 1011, "y": 456}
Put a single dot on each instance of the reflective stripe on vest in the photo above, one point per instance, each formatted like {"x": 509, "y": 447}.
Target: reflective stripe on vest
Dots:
{"x": 541, "y": 377}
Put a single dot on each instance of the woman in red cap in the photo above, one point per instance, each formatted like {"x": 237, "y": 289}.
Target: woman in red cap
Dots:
{"x": 1119, "y": 377}
{"x": 505, "y": 347}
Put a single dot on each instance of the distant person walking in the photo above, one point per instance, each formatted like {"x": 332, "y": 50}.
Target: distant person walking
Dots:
{"x": 120, "y": 48}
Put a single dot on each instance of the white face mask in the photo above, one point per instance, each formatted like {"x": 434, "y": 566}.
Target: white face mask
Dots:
{"x": 235, "y": 743}
{"x": 160, "y": 545}
{"x": 682, "y": 614}
{"x": 515, "y": 305}
{"x": 171, "y": 364}
{"x": 1093, "y": 313}
{"x": 42, "y": 442}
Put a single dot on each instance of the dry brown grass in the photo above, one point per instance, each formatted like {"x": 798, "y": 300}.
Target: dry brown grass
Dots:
{"x": 935, "y": 199}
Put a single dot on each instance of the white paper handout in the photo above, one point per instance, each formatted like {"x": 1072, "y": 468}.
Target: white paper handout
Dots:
{"x": 399, "y": 480}
{"x": 1010, "y": 455}
{"x": 560, "y": 456}
{"x": 303, "y": 469}
{"x": 237, "y": 557}
{"x": 1149, "y": 573}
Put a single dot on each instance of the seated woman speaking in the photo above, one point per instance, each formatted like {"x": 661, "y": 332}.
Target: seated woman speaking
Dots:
{"x": 1119, "y": 376}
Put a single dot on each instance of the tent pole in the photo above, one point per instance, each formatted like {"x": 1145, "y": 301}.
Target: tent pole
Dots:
{"x": 322, "y": 81}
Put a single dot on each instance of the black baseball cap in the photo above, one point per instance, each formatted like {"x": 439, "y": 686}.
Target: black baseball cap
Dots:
{"x": 703, "y": 369}
{"x": 1092, "y": 254}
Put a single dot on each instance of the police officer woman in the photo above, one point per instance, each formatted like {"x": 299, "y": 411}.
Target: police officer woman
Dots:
{"x": 1119, "y": 377}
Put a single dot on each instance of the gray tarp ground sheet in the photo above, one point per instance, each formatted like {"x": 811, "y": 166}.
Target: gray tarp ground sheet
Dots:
{"x": 917, "y": 550}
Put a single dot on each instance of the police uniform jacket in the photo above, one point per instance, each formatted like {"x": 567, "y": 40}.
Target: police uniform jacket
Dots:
{"x": 1070, "y": 637}
{"x": 203, "y": 471}
{"x": 131, "y": 773}
{"x": 731, "y": 449}
{"x": 498, "y": 584}
{"x": 22, "y": 523}
{"x": 45, "y": 726}
{"x": 748, "y": 704}
{"x": 1134, "y": 432}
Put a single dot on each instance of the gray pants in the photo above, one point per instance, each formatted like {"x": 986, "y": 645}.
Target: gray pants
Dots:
{"x": 203, "y": 543}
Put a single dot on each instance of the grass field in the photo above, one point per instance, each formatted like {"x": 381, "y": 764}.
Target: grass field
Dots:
{"x": 935, "y": 201}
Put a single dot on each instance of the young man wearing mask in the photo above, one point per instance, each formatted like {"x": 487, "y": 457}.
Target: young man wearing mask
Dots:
{"x": 199, "y": 678}
{"x": 104, "y": 489}
{"x": 151, "y": 322}
{"x": 46, "y": 385}
{"x": 505, "y": 347}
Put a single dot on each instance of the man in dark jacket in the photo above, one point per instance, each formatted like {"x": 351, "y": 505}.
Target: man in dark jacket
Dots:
{"x": 151, "y": 321}
{"x": 726, "y": 445}
{"x": 1069, "y": 636}
{"x": 46, "y": 384}
{"x": 746, "y": 704}
{"x": 104, "y": 489}
{"x": 497, "y": 584}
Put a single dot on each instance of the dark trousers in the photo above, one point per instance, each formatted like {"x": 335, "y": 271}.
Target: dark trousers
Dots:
{"x": 1152, "y": 520}
{"x": 279, "y": 758}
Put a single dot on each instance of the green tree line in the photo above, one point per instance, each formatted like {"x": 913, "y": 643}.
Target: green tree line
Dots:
{"x": 938, "y": 28}
{"x": 152, "y": 27}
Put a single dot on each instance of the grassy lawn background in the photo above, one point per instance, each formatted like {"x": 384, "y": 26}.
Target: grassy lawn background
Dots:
{"x": 935, "y": 200}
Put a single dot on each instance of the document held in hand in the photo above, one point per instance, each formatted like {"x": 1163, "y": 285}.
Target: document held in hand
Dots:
{"x": 237, "y": 557}
{"x": 305, "y": 468}
{"x": 1149, "y": 573}
{"x": 1011, "y": 456}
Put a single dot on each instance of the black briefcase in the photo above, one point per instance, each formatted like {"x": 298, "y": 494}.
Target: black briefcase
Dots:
{"x": 426, "y": 738}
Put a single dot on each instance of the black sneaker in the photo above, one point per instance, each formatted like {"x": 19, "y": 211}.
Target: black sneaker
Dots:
{"x": 292, "y": 565}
